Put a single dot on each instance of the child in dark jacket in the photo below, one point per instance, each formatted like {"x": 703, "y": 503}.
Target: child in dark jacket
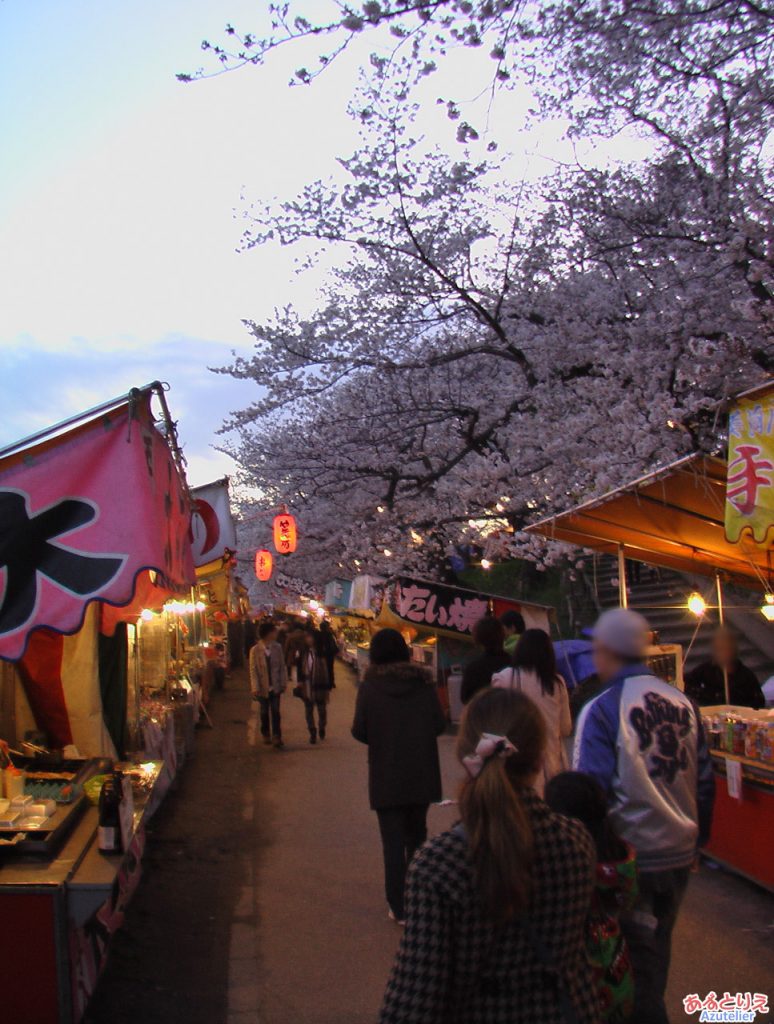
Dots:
{"x": 579, "y": 796}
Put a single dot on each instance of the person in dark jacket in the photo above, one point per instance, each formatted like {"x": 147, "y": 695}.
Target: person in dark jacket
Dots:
{"x": 315, "y": 685}
{"x": 330, "y": 649}
{"x": 489, "y": 634}
{"x": 399, "y": 717}
{"x": 706, "y": 683}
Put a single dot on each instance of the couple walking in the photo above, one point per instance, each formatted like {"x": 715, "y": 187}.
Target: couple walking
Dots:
{"x": 270, "y": 668}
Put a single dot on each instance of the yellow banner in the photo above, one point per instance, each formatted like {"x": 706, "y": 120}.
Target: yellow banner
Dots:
{"x": 750, "y": 480}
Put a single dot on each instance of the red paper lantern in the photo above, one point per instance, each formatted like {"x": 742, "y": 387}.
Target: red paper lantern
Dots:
{"x": 285, "y": 533}
{"x": 263, "y": 565}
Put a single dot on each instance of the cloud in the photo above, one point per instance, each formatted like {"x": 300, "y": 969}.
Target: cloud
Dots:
{"x": 65, "y": 383}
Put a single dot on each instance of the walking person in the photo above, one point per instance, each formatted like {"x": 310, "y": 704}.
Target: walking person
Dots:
{"x": 497, "y": 906}
{"x": 399, "y": 717}
{"x": 643, "y": 742}
{"x": 268, "y": 679}
{"x": 489, "y": 634}
{"x": 534, "y": 673}
{"x": 314, "y": 683}
{"x": 330, "y": 649}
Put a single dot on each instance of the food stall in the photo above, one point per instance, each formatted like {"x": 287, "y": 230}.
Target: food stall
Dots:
{"x": 741, "y": 743}
{"x": 438, "y": 620}
{"x": 708, "y": 516}
{"x": 95, "y": 533}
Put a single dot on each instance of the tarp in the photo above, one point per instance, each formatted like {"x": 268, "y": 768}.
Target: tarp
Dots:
{"x": 212, "y": 527}
{"x": 673, "y": 517}
{"x": 61, "y": 678}
{"x": 82, "y": 515}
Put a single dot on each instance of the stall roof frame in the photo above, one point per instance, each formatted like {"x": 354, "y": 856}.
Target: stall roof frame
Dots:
{"x": 672, "y": 517}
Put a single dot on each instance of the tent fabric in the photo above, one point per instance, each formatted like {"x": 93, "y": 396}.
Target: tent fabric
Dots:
{"x": 212, "y": 526}
{"x": 61, "y": 679}
{"x": 674, "y": 517}
{"x": 83, "y": 514}
{"x": 574, "y": 660}
{"x": 148, "y": 593}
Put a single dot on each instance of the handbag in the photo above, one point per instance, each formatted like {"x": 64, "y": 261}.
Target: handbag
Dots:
{"x": 298, "y": 691}
{"x": 567, "y": 1009}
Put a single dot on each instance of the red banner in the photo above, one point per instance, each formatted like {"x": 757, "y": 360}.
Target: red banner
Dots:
{"x": 81, "y": 516}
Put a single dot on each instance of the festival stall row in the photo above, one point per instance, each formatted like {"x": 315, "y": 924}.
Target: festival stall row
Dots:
{"x": 98, "y": 593}
{"x": 436, "y": 619}
{"x": 710, "y": 516}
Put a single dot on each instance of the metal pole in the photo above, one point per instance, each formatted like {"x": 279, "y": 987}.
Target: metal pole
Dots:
{"x": 623, "y": 597}
{"x": 81, "y": 417}
{"x": 721, "y": 619}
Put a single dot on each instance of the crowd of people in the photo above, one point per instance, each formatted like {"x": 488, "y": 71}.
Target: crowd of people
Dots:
{"x": 303, "y": 658}
{"x": 555, "y": 897}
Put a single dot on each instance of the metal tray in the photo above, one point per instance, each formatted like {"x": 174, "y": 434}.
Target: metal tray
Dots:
{"x": 47, "y": 840}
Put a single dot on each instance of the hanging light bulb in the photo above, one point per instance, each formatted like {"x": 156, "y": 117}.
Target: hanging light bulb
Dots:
{"x": 767, "y": 608}
{"x": 485, "y": 563}
{"x": 696, "y": 604}
{"x": 146, "y": 615}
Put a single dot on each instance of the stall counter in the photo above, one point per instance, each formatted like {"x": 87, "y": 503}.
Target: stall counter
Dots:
{"x": 58, "y": 917}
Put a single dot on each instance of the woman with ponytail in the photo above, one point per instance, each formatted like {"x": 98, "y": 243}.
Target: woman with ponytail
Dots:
{"x": 496, "y": 907}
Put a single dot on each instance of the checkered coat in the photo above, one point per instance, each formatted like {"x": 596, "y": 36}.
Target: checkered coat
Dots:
{"x": 455, "y": 968}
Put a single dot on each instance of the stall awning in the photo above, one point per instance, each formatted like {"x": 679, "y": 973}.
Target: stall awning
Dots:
{"x": 86, "y": 511}
{"x": 673, "y": 517}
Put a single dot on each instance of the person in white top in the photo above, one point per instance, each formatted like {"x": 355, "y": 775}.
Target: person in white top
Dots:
{"x": 534, "y": 673}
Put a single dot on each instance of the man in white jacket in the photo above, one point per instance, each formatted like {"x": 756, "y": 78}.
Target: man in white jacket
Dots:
{"x": 643, "y": 741}
{"x": 268, "y": 680}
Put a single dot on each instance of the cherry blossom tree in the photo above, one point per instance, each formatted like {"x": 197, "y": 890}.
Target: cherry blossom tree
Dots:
{"x": 485, "y": 350}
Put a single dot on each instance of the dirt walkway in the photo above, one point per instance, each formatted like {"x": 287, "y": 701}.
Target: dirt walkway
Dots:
{"x": 262, "y": 901}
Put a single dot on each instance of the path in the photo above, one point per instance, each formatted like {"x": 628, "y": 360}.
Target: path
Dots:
{"x": 262, "y": 900}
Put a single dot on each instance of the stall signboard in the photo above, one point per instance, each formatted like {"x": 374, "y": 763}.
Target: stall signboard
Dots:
{"x": 750, "y": 480}
{"x": 212, "y": 525}
{"x": 366, "y": 594}
{"x": 437, "y": 606}
{"x": 82, "y": 516}
{"x": 295, "y": 585}
{"x": 338, "y": 594}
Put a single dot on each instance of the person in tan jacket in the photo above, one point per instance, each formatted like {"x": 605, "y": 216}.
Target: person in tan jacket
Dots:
{"x": 268, "y": 680}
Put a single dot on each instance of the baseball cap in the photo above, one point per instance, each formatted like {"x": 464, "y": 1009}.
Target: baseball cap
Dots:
{"x": 622, "y": 631}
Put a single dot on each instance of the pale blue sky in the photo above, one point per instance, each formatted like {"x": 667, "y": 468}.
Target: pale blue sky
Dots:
{"x": 117, "y": 191}
{"x": 117, "y": 186}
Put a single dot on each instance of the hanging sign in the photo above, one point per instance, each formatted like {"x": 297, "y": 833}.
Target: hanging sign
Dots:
{"x": 750, "y": 480}
{"x": 295, "y": 585}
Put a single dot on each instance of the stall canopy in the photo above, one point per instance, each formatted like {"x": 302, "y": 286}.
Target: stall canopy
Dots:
{"x": 674, "y": 517}
{"x": 94, "y": 526}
